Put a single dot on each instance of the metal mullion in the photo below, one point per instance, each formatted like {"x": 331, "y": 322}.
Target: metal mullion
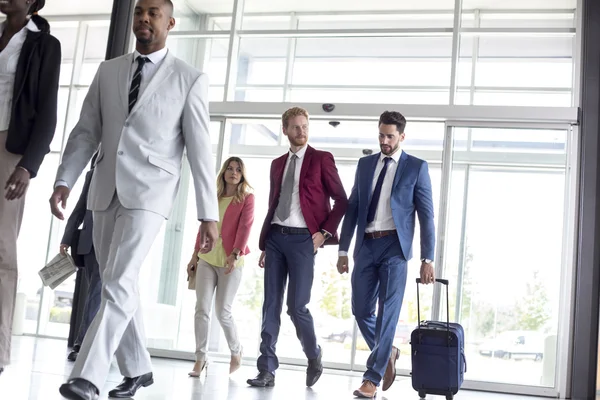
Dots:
{"x": 333, "y": 33}
{"x": 290, "y": 59}
{"x": 232, "y": 53}
{"x": 443, "y": 220}
{"x": 456, "y": 31}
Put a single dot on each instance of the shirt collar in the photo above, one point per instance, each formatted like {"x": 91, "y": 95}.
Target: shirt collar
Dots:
{"x": 396, "y": 156}
{"x": 300, "y": 152}
{"x": 155, "y": 58}
{"x": 31, "y": 26}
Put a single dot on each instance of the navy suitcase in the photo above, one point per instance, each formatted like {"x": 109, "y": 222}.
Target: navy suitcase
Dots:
{"x": 437, "y": 354}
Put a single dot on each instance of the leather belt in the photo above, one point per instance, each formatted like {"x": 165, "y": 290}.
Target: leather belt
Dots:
{"x": 379, "y": 234}
{"x": 287, "y": 230}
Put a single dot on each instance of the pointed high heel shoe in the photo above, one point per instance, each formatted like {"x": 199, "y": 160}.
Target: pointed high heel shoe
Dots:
{"x": 203, "y": 367}
{"x": 236, "y": 362}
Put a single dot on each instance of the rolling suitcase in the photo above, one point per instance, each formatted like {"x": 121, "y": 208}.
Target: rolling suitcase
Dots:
{"x": 437, "y": 354}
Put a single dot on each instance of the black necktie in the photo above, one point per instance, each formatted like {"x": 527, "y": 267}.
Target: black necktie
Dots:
{"x": 134, "y": 91}
{"x": 377, "y": 191}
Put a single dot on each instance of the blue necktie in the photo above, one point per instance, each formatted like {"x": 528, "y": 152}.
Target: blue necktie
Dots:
{"x": 377, "y": 191}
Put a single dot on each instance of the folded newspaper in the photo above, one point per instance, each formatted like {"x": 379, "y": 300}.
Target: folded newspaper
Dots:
{"x": 57, "y": 270}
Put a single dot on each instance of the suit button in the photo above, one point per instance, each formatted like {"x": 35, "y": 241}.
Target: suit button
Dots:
{"x": 120, "y": 153}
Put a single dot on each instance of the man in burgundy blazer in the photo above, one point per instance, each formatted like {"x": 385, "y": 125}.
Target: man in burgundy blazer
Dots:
{"x": 299, "y": 221}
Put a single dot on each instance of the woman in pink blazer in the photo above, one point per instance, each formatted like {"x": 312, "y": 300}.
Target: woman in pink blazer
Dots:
{"x": 219, "y": 271}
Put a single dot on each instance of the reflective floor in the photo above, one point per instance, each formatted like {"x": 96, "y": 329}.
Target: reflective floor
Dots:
{"x": 39, "y": 367}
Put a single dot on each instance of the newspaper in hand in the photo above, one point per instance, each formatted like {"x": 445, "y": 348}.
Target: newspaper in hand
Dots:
{"x": 57, "y": 270}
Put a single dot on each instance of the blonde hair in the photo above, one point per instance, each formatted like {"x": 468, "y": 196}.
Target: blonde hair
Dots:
{"x": 291, "y": 113}
{"x": 243, "y": 188}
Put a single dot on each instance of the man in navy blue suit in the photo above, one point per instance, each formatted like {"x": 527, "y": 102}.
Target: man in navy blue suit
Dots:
{"x": 389, "y": 188}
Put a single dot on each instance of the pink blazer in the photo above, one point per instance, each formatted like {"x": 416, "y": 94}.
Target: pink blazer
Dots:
{"x": 236, "y": 226}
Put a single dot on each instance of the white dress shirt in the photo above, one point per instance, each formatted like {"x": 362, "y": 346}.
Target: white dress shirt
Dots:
{"x": 296, "y": 219}
{"x": 148, "y": 71}
{"x": 149, "y": 68}
{"x": 9, "y": 59}
{"x": 384, "y": 220}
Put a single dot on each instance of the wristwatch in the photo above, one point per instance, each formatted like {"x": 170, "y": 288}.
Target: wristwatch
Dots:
{"x": 236, "y": 256}
{"x": 326, "y": 234}
{"x": 426, "y": 260}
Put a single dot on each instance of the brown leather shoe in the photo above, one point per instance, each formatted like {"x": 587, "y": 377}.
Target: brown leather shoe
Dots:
{"x": 390, "y": 372}
{"x": 367, "y": 390}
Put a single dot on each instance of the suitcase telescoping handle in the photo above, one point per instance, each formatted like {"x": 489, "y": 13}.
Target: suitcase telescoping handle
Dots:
{"x": 443, "y": 282}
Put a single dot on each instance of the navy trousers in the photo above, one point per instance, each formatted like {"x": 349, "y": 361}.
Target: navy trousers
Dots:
{"x": 92, "y": 302}
{"x": 379, "y": 275}
{"x": 287, "y": 256}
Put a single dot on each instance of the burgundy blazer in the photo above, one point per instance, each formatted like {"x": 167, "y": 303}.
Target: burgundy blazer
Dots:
{"x": 319, "y": 182}
{"x": 236, "y": 226}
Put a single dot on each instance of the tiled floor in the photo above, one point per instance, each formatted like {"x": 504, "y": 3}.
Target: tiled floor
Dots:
{"x": 39, "y": 368}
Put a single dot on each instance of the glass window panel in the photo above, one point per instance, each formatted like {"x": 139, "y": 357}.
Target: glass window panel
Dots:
{"x": 255, "y": 132}
{"x": 522, "y": 99}
{"x": 258, "y": 6}
{"x": 510, "y": 335}
{"x": 268, "y": 95}
{"x": 33, "y": 239}
{"x": 66, "y": 70}
{"x": 515, "y": 140}
{"x": 88, "y": 72}
{"x": 63, "y": 99}
{"x": 207, "y": 6}
{"x": 219, "y": 24}
{"x": 262, "y": 61}
{"x": 96, "y": 39}
{"x": 66, "y": 33}
{"x": 373, "y": 61}
{"x": 215, "y": 93}
{"x": 377, "y": 21}
{"x": 519, "y": 4}
{"x": 264, "y": 22}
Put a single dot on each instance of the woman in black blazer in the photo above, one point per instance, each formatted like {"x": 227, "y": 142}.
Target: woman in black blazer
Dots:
{"x": 29, "y": 71}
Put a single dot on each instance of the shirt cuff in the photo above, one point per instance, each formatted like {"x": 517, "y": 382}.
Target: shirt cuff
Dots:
{"x": 342, "y": 253}
{"x": 61, "y": 183}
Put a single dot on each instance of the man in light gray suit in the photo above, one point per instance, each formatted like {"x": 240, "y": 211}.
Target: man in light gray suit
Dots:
{"x": 142, "y": 109}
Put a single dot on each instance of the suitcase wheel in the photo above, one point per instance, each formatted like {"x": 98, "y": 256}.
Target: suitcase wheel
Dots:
{"x": 449, "y": 396}
{"x": 422, "y": 394}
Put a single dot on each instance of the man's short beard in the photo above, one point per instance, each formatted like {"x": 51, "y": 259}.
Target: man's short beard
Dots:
{"x": 144, "y": 41}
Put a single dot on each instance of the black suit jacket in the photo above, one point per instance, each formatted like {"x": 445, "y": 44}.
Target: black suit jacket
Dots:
{"x": 33, "y": 118}
{"x": 81, "y": 215}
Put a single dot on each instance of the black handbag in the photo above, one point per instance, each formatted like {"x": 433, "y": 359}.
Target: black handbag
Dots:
{"x": 77, "y": 258}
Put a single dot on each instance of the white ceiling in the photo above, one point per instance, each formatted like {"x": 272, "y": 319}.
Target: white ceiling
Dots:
{"x": 77, "y": 7}
{"x": 86, "y": 7}
{"x": 225, "y": 6}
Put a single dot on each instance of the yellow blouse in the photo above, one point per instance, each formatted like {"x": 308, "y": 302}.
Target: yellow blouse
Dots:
{"x": 217, "y": 256}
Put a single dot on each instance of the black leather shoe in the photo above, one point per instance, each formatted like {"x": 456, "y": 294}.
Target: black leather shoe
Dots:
{"x": 79, "y": 389}
{"x": 1, "y": 371}
{"x": 129, "y": 386}
{"x": 263, "y": 379}
{"x": 315, "y": 369}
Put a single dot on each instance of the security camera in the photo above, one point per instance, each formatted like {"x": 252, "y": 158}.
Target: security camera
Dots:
{"x": 367, "y": 152}
{"x": 334, "y": 123}
{"x": 328, "y": 107}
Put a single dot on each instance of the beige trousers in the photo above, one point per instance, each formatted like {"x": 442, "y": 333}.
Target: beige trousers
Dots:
{"x": 211, "y": 279}
{"x": 11, "y": 215}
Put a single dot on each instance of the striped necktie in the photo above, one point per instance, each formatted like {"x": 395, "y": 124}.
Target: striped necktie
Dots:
{"x": 136, "y": 81}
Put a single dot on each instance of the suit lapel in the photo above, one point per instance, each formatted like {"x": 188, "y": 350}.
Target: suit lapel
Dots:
{"x": 163, "y": 72}
{"x": 124, "y": 76}
{"x": 369, "y": 177}
{"x": 401, "y": 167}
{"x": 305, "y": 165}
